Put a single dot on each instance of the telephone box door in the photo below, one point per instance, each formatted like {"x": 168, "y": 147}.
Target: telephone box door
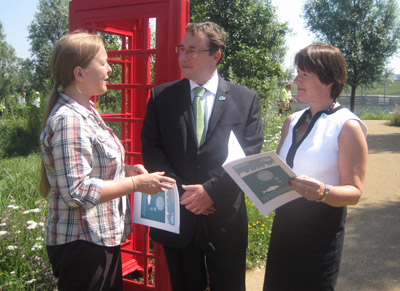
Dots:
{"x": 140, "y": 37}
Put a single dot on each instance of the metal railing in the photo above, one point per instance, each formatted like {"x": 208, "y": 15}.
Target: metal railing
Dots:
{"x": 369, "y": 103}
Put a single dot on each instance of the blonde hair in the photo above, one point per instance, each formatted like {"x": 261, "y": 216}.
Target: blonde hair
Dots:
{"x": 72, "y": 50}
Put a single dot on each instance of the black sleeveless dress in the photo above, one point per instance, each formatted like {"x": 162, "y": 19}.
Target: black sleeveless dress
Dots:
{"x": 306, "y": 243}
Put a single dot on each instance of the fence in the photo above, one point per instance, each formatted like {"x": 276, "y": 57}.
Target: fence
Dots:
{"x": 369, "y": 103}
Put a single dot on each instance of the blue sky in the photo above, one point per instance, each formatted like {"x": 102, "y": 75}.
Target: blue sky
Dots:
{"x": 16, "y": 16}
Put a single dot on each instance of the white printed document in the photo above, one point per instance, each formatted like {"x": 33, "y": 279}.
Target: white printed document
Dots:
{"x": 159, "y": 210}
{"x": 235, "y": 151}
{"x": 264, "y": 179}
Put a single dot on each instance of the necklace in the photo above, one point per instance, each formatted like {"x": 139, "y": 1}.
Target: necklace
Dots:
{"x": 308, "y": 117}
{"x": 332, "y": 105}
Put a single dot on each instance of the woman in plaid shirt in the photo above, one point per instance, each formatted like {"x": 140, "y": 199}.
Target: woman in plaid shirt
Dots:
{"x": 84, "y": 175}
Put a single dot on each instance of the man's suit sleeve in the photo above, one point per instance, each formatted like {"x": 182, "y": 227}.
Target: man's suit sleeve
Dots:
{"x": 251, "y": 137}
{"x": 154, "y": 157}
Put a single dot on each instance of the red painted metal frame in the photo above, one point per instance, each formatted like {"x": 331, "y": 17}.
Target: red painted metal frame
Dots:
{"x": 130, "y": 19}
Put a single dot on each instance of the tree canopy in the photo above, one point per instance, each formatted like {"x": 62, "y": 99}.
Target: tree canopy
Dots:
{"x": 49, "y": 25}
{"x": 256, "y": 40}
{"x": 8, "y": 67}
{"x": 366, "y": 31}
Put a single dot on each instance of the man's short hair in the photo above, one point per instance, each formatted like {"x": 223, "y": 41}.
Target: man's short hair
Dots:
{"x": 215, "y": 33}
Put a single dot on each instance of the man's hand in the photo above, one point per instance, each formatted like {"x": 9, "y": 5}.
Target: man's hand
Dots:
{"x": 197, "y": 200}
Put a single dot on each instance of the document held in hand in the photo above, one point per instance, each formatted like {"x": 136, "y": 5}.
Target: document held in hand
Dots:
{"x": 263, "y": 178}
{"x": 160, "y": 210}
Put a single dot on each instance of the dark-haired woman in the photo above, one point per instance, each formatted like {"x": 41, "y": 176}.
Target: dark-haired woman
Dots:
{"x": 325, "y": 145}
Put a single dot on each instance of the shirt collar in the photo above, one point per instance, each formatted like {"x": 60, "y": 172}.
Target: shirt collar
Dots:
{"x": 211, "y": 85}
{"x": 76, "y": 105}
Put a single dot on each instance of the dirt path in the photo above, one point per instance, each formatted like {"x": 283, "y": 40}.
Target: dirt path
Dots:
{"x": 371, "y": 255}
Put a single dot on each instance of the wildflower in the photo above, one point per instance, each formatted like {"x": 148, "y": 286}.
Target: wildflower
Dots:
{"x": 11, "y": 206}
{"x": 3, "y": 232}
{"x": 3, "y": 224}
{"x": 32, "y": 224}
{"x": 36, "y": 246}
{"x": 36, "y": 210}
{"x": 30, "y": 281}
{"x": 11, "y": 248}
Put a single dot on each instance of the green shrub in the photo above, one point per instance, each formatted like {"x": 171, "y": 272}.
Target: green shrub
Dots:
{"x": 366, "y": 115}
{"x": 16, "y": 139}
{"x": 260, "y": 226}
{"x": 19, "y": 136}
{"x": 395, "y": 117}
{"x": 272, "y": 125}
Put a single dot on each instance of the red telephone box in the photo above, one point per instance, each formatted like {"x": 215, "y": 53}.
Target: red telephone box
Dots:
{"x": 147, "y": 32}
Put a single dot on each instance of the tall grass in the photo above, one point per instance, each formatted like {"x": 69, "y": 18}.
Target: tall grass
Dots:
{"x": 19, "y": 180}
{"x": 394, "y": 119}
{"x": 23, "y": 259}
{"x": 392, "y": 88}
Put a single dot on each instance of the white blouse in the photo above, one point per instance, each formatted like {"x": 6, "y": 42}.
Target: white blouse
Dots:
{"x": 316, "y": 154}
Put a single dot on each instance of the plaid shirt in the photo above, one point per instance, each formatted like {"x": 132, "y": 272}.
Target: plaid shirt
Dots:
{"x": 79, "y": 153}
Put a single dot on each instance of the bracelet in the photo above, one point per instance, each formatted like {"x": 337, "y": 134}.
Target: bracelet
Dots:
{"x": 326, "y": 193}
{"x": 133, "y": 184}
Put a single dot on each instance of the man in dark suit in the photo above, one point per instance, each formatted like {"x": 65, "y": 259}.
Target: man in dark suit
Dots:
{"x": 213, "y": 221}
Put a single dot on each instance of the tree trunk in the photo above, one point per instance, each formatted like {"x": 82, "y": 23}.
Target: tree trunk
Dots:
{"x": 352, "y": 97}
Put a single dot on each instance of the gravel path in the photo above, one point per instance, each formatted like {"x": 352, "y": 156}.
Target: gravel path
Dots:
{"x": 371, "y": 255}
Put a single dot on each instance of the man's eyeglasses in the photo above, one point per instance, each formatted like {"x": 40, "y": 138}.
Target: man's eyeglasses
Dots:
{"x": 192, "y": 52}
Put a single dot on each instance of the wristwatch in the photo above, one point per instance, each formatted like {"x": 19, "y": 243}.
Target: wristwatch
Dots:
{"x": 326, "y": 193}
